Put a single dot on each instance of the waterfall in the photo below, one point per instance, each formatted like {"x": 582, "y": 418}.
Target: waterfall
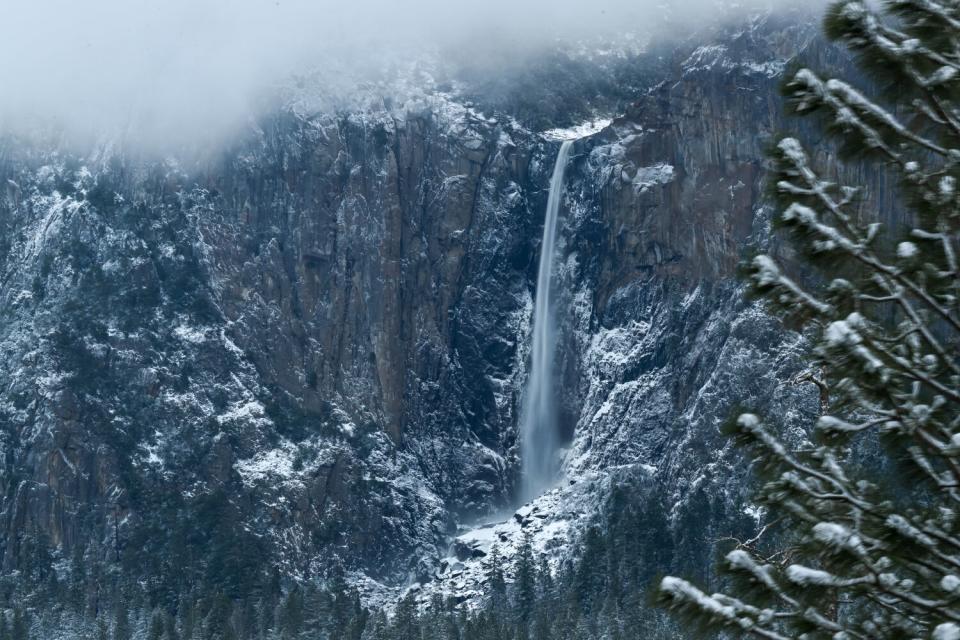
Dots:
{"x": 538, "y": 428}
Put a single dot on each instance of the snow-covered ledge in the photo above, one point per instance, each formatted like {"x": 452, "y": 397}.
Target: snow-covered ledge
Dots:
{"x": 582, "y": 130}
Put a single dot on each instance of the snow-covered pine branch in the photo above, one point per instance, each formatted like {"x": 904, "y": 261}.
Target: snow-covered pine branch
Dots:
{"x": 874, "y": 547}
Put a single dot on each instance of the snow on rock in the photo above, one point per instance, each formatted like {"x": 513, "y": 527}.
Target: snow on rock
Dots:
{"x": 276, "y": 463}
{"x": 806, "y": 576}
{"x": 719, "y": 57}
{"x": 554, "y": 522}
{"x": 906, "y": 250}
{"x": 190, "y": 334}
{"x": 950, "y": 583}
{"x": 946, "y": 631}
{"x": 645, "y": 177}
{"x": 247, "y": 410}
{"x": 582, "y": 130}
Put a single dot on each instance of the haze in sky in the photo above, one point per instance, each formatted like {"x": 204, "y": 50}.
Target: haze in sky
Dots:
{"x": 178, "y": 68}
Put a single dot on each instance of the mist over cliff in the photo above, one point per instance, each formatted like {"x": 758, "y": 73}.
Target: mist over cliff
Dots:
{"x": 268, "y": 277}
{"x": 173, "y": 74}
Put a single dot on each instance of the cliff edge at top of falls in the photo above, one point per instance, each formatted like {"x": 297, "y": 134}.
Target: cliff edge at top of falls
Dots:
{"x": 309, "y": 350}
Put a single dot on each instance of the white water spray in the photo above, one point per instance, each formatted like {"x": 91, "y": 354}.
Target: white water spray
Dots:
{"x": 538, "y": 426}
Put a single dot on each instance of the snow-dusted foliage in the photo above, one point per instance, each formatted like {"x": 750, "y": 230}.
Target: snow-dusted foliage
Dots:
{"x": 872, "y": 548}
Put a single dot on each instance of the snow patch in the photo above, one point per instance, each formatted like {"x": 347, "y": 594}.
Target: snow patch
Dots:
{"x": 273, "y": 463}
{"x": 946, "y": 631}
{"x": 244, "y": 411}
{"x": 190, "y": 334}
{"x": 582, "y": 130}
{"x": 646, "y": 177}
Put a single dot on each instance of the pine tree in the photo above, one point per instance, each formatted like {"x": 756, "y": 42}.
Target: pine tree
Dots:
{"x": 358, "y": 617}
{"x": 525, "y": 584}
{"x": 589, "y": 578}
{"x": 872, "y": 559}
{"x": 78, "y": 579}
{"x": 377, "y": 627}
{"x": 291, "y": 614}
{"x": 448, "y": 617}
{"x": 155, "y": 632}
{"x": 430, "y": 623}
{"x": 544, "y": 614}
{"x": 217, "y": 624}
{"x": 405, "y": 623}
{"x": 95, "y": 580}
{"x": 188, "y": 617}
{"x": 247, "y": 622}
{"x": 20, "y": 630}
{"x": 121, "y": 621}
{"x": 170, "y": 628}
{"x": 103, "y": 629}
{"x": 496, "y": 582}
{"x": 634, "y": 612}
{"x": 341, "y": 602}
{"x": 316, "y": 608}
{"x": 269, "y": 603}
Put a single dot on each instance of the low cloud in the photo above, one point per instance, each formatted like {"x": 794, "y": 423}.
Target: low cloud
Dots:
{"x": 175, "y": 69}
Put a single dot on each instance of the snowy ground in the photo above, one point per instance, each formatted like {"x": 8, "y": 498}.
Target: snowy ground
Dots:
{"x": 555, "y": 522}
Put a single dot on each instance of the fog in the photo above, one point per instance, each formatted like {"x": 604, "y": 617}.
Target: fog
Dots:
{"x": 176, "y": 69}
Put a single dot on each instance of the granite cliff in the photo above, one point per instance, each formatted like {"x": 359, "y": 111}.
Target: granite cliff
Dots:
{"x": 308, "y": 349}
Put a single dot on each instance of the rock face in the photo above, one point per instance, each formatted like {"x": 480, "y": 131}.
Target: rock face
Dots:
{"x": 302, "y": 329}
{"x": 311, "y": 349}
{"x": 660, "y": 345}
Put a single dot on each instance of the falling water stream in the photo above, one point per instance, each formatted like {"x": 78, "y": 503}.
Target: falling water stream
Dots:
{"x": 538, "y": 426}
